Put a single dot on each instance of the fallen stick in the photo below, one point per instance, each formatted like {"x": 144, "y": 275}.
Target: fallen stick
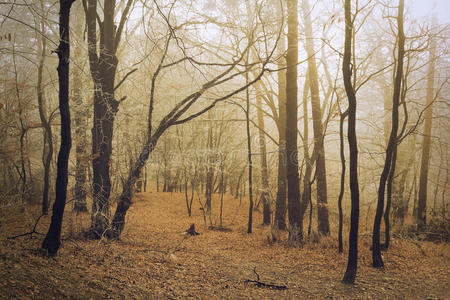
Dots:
{"x": 259, "y": 283}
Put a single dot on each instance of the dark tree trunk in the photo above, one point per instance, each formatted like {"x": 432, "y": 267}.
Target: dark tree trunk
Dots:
{"x": 249, "y": 156}
{"x": 341, "y": 190}
{"x": 322, "y": 205}
{"x": 52, "y": 240}
{"x": 426, "y": 144}
{"x": 387, "y": 212}
{"x": 352, "y": 264}
{"x": 391, "y": 150}
{"x": 48, "y": 140}
{"x": 296, "y": 227}
{"x": 103, "y": 71}
{"x": 210, "y": 166}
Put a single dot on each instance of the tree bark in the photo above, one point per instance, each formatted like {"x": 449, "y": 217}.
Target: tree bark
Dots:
{"x": 249, "y": 157}
{"x": 343, "y": 115}
{"x": 322, "y": 205}
{"x": 426, "y": 143}
{"x": 48, "y": 138}
{"x": 103, "y": 70}
{"x": 350, "y": 272}
{"x": 52, "y": 240}
{"x": 263, "y": 153}
{"x": 391, "y": 149}
{"x": 280, "y": 207}
{"x": 80, "y": 133}
{"x": 296, "y": 227}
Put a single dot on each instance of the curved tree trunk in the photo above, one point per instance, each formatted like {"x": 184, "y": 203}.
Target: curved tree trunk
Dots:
{"x": 52, "y": 240}
{"x": 391, "y": 150}
{"x": 343, "y": 115}
{"x": 350, "y": 272}
{"x": 47, "y": 153}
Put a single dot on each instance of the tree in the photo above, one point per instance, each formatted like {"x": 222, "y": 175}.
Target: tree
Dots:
{"x": 293, "y": 188}
{"x": 342, "y": 116}
{"x": 350, "y": 272}
{"x": 103, "y": 67}
{"x": 249, "y": 154}
{"x": 80, "y": 115}
{"x": 180, "y": 113}
{"x": 426, "y": 142}
{"x": 263, "y": 154}
{"x": 280, "y": 206}
{"x": 391, "y": 150}
{"x": 47, "y": 153}
{"x": 52, "y": 240}
{"x": 322, "y": 206}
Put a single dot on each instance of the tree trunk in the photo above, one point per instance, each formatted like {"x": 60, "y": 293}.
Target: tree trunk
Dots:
{"x": 80, "y": 133}
{"x": 262, "y": 148}
{"x": 280, "y": 208}
{"x": 322, "y": 206}
{"x": 249, "y": 157}
{"x": 296, "y": 227}
{"x": 210, "y": 168}
{"x": 48, "y": 140}
{"x": 309, "y": 161}
{"x": 426, "y": 144}
{"x": 103, "y": 71}
{"x": 350, "y": 272}
{"x": 52, "y": 239}
{"x": 391, "y": 150}
{"x": 343, "y": 115}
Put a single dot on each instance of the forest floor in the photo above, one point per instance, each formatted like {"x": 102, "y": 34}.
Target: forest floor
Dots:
{"x": 154, "y": 259}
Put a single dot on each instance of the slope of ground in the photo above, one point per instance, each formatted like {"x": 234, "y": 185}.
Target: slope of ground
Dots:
{"x": 154, "y": 260}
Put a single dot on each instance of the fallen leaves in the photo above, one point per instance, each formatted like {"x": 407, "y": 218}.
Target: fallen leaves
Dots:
{"x": 152, "y": 260}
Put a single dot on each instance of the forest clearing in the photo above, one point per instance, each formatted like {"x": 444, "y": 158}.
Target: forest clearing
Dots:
{"x": 154, "y": 260}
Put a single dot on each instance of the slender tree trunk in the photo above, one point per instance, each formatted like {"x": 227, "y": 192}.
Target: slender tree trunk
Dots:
{"x": 343, "y": 115}
{"x": 210, "y": 167}
{"x": 280, "y": 208}
{"x": 296, "y": 227}
{"x": 52, "y": 239}
{"x": 262, "y": 148}
{"x": 426, "y": 144}
{"x": 391, "y": 150}
{"x": 350, "y": 272}
{"x": 322, "y": 205}
{"x": 249, "y": 156}
{"x": 48, "y": 140}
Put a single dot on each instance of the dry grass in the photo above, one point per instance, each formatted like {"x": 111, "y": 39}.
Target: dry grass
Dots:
{"x": 154, "y": 260}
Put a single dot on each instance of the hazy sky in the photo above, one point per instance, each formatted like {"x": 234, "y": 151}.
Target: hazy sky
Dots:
{"x": 422, "y": 8}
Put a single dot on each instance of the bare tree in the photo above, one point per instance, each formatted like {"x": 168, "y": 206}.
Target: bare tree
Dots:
{"x": 391, "y": 150}
{"x": 426, "y": 143}
{"x": 296, "y": 227}
{"x": 103, "y": 67}
{"x": 52, "y": 240}
{"x": 350, "y": 272}
{"x": 322, "y": 206}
